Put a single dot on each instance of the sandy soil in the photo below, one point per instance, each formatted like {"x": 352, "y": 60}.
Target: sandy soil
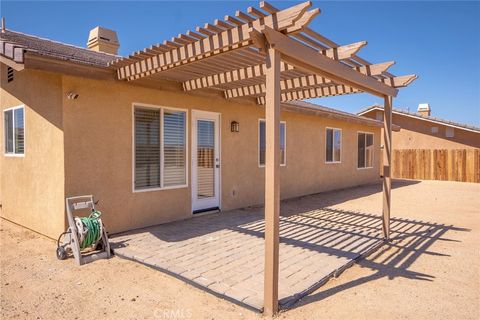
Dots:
{"x": 423, "y": 276}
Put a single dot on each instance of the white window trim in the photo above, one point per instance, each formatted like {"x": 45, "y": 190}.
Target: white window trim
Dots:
{"x": 258, "y": 143}
{"x": 187, "y": 162}
{"x": 17, "y": 155}
{"x": 341, "y": 146}
{"x": 373, "y": 154}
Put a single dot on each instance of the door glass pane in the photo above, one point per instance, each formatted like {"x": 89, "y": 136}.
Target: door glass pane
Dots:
{"x": 8, "y": 116}
{"x": 205, "y": 159}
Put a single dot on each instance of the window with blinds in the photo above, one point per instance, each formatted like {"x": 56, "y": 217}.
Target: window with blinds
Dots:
{"x": 365, "y": 150}
{"x": 14, "y": 131}
{"x": 333, "y": 145}
{"x": 160, "y": 148}
{"x": 262, "y": 143}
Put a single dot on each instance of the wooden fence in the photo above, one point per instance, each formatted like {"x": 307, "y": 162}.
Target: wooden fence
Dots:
{"x": 436, "y": 164}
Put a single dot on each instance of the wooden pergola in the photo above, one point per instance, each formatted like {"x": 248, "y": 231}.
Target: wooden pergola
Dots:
{"x": 270, "y": 56}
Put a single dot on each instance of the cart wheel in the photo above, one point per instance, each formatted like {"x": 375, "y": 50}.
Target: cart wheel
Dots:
{"x": 61, "y": 253}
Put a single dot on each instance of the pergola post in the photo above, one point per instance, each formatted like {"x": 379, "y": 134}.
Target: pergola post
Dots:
{"x": 387, "y": 161}
{"x": 272, "y": 181}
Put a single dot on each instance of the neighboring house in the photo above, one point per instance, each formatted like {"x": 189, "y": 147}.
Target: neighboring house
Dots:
{"x": 422, "y": 131}
{"x": 149, "y": 151}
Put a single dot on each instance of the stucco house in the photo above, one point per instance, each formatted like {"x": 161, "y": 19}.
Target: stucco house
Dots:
{"x": 164, "y": 148}
{"x": 152, "y": 155}
{"x": 420, "y": 130}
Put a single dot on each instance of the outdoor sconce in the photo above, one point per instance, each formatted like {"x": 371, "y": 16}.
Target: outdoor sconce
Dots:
{"x": 235, "y": 126}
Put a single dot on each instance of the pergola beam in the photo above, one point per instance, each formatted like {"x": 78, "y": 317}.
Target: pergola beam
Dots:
{"x": 288, "y": 20}
{"x": 310, "y": 60}
{"x": 311, "y": 81}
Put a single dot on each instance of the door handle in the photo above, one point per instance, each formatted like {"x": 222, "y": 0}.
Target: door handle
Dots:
{"x": 217, "y": 166}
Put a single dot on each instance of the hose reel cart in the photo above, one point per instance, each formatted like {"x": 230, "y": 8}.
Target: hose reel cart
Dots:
{"x": 83, "y": 233}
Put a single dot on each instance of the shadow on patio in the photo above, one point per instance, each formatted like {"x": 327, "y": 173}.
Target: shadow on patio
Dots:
{"x": 224, "y": 253}
{"x": 409, "y": 240}
{"x": 213, "y": 223}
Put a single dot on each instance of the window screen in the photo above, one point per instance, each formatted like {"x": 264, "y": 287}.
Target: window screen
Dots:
{"x": 262, "y": 143}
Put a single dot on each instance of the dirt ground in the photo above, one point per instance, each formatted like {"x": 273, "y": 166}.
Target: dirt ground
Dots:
{"x": 422, "y": 276}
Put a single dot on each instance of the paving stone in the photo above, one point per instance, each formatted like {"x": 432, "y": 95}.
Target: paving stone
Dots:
{"x": 254, "y": 301}
{"x": 219, "y": 287}
{"x": 237, "y": 294}
{"x": 204, "y": 281}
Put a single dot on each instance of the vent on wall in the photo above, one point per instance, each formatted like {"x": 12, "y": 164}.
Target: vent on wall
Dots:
{"x": 9, "y": 74}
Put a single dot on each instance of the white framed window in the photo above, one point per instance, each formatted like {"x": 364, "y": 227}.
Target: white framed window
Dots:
{"x": 434, "y": 129}
{"x": 449, "y": 132}
{"x": 14, "y": 131}
{"x": 365, "y": 150}
{"x": 333, "y": 145}
{"x": 262, "y": 143}
{"x": 160, "y": 148}
{"x": 379, "y": 115}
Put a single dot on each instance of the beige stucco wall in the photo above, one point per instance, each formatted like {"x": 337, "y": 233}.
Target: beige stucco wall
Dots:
{"x": 98, "y": 153}
{"x": 32, "y": 187}
{"x": 417, "y": 134}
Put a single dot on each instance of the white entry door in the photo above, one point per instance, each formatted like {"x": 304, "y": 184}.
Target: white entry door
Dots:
{"x": 205, "y": 161}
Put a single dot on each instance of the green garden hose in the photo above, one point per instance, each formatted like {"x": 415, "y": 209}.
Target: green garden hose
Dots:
{"x": 94, "y": 229}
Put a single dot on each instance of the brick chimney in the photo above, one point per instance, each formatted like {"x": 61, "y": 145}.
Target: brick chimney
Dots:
{"x": 103, "y": 40}
{"x": 424, "y": 109}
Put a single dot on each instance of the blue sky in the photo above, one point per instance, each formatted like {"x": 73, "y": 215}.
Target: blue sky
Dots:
{"x": 437, "y": 40}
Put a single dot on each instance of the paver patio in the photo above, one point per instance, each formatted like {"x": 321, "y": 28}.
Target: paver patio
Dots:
{"x": 224, "y": 252}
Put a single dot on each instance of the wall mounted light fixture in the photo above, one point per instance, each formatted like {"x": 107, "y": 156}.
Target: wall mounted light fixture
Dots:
{"x": 235, "y": 126}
